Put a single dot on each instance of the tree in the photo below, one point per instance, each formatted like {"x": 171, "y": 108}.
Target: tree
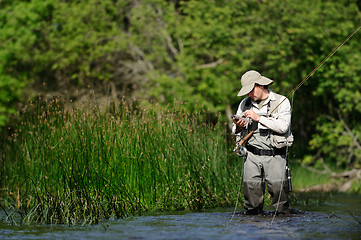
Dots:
{"x": 180, "y": 51}
{"x": 53, "y": 46}
{"x": 217, "y": 41}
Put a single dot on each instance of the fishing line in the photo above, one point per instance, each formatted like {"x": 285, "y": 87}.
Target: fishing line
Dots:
{"x": 319, "y": 65}
{"x": 298, "y": 86}
{"x": 279, "y": 195}
{"x": 284, "y": 173}
{"x": 294, "y": 90}
{"x": 238, "y": 193}
{"x": 304, "y": 80}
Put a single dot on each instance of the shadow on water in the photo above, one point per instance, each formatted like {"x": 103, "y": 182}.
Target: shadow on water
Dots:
{"x": 336, "y": 217}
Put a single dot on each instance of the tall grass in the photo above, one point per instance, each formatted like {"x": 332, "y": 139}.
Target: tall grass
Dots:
{"x": 85, "y": 164}
{"x": 303, "y": 178}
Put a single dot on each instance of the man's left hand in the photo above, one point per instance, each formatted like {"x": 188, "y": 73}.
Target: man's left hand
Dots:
{"x": 252, "y": 115}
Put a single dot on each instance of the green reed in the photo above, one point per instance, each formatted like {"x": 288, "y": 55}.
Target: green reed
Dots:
{"x": 86, "y": 163}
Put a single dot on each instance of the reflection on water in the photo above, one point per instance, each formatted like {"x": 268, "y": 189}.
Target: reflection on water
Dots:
{"x": 338, "y": 217}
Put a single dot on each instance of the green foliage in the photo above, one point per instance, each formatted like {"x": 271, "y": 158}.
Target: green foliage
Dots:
{"x": 303, "y": 178}
{"x": 194, "y": 52}
{"x": 216, "y": 42}
{"x": 356, "y": 186}
{"x": 285, "y": 40}
{"x": 56, "y": 46}
{"x": 337, "y": 142}
{"x": 203, "y": 73}
{"x": 84, "y": 165}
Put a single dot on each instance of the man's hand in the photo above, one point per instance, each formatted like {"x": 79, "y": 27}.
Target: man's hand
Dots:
{"x": 252, "y": 115}
{"x": 240, "y": 123}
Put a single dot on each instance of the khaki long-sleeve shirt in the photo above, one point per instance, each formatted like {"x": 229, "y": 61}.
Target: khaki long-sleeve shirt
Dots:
{"x": 279, "y": 121}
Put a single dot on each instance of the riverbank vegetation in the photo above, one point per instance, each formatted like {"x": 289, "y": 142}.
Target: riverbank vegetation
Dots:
{"x": 69, "y": 165}
{"x": 85, "y": 164}
{"x": 171, "y": 51}
{"x": 63, "y": 159}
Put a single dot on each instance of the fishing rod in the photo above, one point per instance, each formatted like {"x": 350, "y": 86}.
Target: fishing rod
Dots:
{"x": 239, "y": 145}
{"x": 302, "y": 82}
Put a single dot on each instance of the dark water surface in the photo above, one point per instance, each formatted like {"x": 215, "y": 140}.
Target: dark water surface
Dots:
{"x": 337, "y": 217}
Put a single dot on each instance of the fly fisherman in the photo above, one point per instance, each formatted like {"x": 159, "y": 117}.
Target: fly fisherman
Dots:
{"x": 265, "y": 151}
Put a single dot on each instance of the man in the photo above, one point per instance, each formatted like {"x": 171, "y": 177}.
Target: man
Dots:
{"x": 265, "y": 160}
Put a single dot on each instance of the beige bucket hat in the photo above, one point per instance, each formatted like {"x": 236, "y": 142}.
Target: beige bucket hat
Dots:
{"x": 249, "y": 79}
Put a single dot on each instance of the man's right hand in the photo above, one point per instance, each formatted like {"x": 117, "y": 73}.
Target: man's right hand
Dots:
{"x": 240, "y": 123}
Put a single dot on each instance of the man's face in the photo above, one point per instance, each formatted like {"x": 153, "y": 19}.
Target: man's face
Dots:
{"x": 256, "y": 93}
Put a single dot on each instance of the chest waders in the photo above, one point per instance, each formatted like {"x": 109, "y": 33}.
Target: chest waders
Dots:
{"x": 240, "y": 151}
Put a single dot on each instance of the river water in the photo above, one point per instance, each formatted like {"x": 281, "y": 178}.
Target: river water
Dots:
{"x": 336, "y": 217}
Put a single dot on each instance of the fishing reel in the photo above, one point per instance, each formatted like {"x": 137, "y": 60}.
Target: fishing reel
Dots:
{"x": 240, "y": 150}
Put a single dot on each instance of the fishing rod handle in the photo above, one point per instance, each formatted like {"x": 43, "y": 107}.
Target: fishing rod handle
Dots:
{"x": 246, "y": 138}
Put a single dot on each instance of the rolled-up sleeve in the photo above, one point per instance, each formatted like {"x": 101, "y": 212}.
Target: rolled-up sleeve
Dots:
{"x": 280, "y": 120}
